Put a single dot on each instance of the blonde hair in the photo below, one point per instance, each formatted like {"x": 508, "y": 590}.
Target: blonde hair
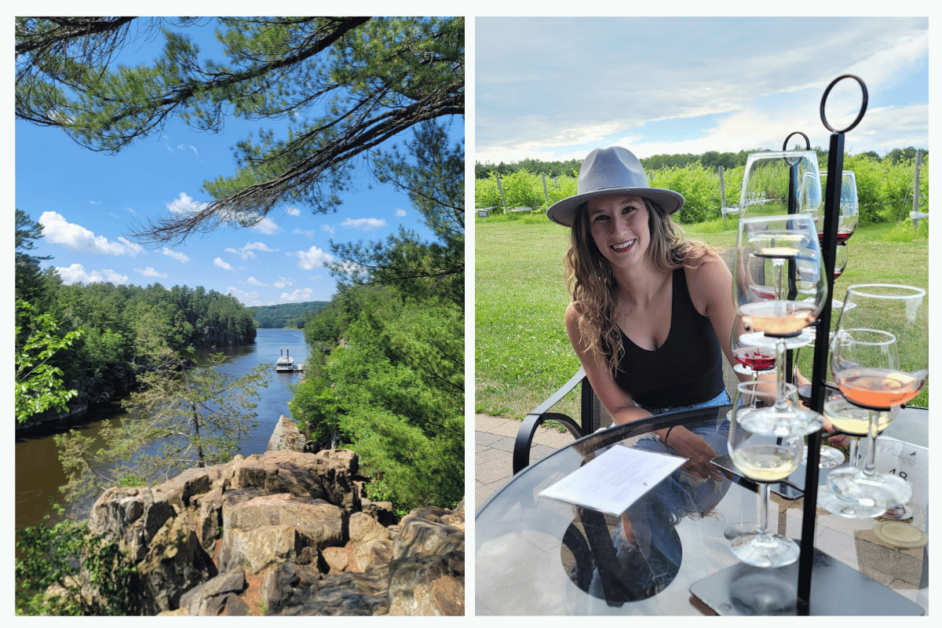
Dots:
{"x": 592, "y": 285}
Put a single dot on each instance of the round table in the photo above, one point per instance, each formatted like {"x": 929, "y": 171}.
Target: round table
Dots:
{"x": 539, "y": 556}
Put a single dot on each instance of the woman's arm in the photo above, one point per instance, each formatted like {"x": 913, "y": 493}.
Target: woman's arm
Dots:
{"x": 711, "y": 290}
{"x": 624, "y": 410}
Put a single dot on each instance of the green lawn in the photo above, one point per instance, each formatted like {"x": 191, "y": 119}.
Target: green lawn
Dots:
{"x": 522, "y": 352}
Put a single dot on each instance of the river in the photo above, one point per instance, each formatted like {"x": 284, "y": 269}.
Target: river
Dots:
{"x": 39, "y": 474}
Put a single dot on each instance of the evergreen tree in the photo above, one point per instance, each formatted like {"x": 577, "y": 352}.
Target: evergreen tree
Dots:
{"x": 344, "y": 84}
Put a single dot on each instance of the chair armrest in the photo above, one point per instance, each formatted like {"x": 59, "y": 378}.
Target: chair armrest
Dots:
{"x": 540, "y": 414}
{"x": 521, "y": 455}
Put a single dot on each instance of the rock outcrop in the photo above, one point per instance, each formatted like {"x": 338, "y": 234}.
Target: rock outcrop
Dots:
{"x": 283, "y": 533}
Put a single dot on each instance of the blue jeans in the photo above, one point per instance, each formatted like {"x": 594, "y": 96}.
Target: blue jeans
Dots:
{"x": 655, "y": 514}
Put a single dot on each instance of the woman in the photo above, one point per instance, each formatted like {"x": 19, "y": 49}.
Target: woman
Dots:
{"x": 647, "y": 310}
{"x": 647, "y": 305}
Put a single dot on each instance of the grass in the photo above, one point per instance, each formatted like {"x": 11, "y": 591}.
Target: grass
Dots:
{"x": 522, "y": 351}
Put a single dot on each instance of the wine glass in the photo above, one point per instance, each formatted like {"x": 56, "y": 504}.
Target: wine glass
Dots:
{"x": 849, "y": 213}
{"x": 769, "y": 252}
{"x": 879, "y": 359}
{"x": 854, "y": 421}
{"x": 781, "y": 182}
{"x": 763, "y": 458}
{"x": 753, "y": 357}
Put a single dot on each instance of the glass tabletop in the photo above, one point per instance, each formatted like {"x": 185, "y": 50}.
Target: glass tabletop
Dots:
{"x": 538, "y": 556}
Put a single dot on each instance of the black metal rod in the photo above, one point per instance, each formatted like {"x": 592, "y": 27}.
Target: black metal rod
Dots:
{"x": 832, "y": 201}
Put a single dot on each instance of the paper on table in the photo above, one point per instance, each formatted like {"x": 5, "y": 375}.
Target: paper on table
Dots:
{"x": 614, "y": 480}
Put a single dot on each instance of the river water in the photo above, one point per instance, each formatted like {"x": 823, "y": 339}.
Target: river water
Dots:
{"x": 39, "y": 474}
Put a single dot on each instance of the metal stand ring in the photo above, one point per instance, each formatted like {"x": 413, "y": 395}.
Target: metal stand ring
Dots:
{"x": 863, "y": 104}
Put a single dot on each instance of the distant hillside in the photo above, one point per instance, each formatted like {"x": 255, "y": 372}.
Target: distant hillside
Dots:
{"x": 284, "y": 315}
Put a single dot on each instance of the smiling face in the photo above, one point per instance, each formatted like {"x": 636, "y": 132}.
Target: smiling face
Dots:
{"x": 619, "y": 227}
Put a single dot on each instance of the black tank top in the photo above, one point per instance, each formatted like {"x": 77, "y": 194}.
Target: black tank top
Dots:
{"x": 685, "y": 370}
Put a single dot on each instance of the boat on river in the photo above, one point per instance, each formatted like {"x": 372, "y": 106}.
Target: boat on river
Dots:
{"x": 286, "y": 364}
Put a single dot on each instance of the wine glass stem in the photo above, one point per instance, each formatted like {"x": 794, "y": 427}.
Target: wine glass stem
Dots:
{"x": 781, "y": 400}
{"x": 852, "y": 451}
{"x": 870, "y": 466}
{"x": 764, "y": 510}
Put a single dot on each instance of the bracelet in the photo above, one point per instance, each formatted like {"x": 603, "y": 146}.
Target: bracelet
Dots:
{"x": 668, "y": 433}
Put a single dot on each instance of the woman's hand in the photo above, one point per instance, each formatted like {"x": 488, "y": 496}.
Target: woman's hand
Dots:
{"x": 699, "y": 453}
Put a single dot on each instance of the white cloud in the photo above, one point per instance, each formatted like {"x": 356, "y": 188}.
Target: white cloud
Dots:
{"x": 222, "y": 264}
{"x": 282, "y": 283}
{"x": 327, "y": 229}
{"x": 58, "y": 230}
{"x": 293, "y": 211}
{"x": 190, "y": 146}
{"x": 267, "y": 226}
{"x": 150, "y": 272}
{"x": 301, "y": 294}
{"x": 246, "y": 252}
{"x": 400, "y": 212}
{"x": 76, "y": 274}
{"x": 256, "y": 282}
{"x": 364, "y": 224}
{"x": 528, "y": 109}
{"x": 133, "y": 213}
{"x": 316, "y": 277}
{"x": 313, "y": 257}
{"x": 246, "y": 298}
{"x": 309, "y": 234}
{"x": 185, "y": 205}
{"x": 175, "y": 255}
{"x": 95, "y": 202}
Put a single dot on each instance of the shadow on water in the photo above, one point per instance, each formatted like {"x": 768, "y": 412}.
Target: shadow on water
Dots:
{"x": 39, "y": 473}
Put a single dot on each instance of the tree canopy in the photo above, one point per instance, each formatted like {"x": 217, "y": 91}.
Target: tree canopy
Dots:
{"x": 342, "y": 86}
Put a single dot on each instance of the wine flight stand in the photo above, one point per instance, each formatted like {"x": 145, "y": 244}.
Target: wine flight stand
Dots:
{"x": 746, "y": 590}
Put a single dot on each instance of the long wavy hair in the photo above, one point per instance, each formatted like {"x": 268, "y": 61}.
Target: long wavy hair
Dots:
{"x": 592, "y": 285}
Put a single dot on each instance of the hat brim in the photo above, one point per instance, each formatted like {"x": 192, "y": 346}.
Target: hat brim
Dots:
{"x": 564, "y": 211}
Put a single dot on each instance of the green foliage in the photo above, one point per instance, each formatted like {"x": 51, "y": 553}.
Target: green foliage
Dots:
{"x": 699, "y": 186}
{"x": 904, "y": 231}
{"x": 89, "y": 573}
{"x": 388, "y": 351}
{"x": 28, "y": 279}
{"x": 431, "y": 173}
{"x": 181, "y": 417}
{"x": 284, "y": 314}
{"x": 884, "y": 186}
{"x": 316, "y": 410}
{"x": 401, "y": 381}
{"x": 39, "y": 384}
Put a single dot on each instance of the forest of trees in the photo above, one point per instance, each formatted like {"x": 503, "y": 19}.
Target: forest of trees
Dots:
{"x": 710, "y": 159}
{"x": 114, "y": 320}
{"x": 385, "y": 373}
{"x": 284, "y": 314}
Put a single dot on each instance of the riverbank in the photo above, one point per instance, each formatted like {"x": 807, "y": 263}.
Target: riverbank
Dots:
{"x": 281, "y": 533}
{"x": 39, "y": 474}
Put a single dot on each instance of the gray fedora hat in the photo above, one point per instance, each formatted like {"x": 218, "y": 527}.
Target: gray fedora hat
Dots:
{"x": 607, "y": 172}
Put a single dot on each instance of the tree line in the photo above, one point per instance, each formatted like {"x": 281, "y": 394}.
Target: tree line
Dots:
{"x": 710, "y": 160}
{"x": 884, "y": 187}
{"x": 110, "y": 325}
{"x": 284, "y": 314}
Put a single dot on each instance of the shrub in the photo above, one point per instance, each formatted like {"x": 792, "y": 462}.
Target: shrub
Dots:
{"x": 88, "y": 573}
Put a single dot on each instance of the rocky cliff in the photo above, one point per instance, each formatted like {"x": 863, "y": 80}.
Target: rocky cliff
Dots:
{"x": 283, "y": 533}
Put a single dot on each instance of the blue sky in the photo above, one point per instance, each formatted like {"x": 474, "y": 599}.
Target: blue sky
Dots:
{"x": 88, "y": 202}
{"x": 555, "y": 88}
